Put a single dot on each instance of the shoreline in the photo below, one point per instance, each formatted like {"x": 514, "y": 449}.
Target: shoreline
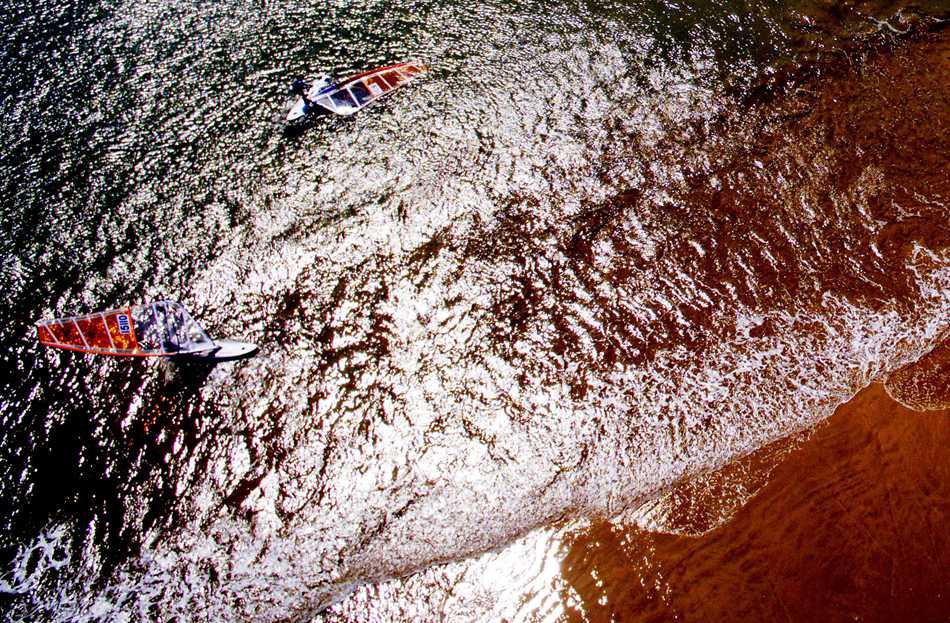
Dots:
{"x": 846, "y": 528}
{"x": 853, "y": 124}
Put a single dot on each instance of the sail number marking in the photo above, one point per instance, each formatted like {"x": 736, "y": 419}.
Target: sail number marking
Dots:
{"x": 125, "y": 327}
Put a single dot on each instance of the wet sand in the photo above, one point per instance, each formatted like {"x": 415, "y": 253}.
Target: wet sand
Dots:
{"x": 850, "y": 527}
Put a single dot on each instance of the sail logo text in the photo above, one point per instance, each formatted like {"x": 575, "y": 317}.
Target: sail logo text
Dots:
{"x": 124, "y": 326}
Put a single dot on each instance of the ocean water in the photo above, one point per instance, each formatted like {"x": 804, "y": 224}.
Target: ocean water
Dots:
{"x": 601, "y": 249}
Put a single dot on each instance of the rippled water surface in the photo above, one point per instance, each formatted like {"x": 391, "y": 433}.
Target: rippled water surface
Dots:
{"x": 601, "y": 249}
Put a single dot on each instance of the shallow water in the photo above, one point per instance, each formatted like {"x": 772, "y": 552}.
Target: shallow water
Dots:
{"x": 846, "y": 529}
{"x": 561, "y": 273}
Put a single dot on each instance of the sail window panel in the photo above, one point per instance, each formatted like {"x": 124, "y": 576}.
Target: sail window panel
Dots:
{"x": 95, "y": 331}
{"x": 69, "y": 334}
{"x": 182, "y": 333}
{"x": 361, "y": 93}
{"x": 56, "y": 329}
{"x": 343, "y": 101}
{"x": 121, "y": 330}
{"x": 326, "y": 102}
{"x": 376, "y": 86}
{"x": 44, "y": 335}
{"x": 393, "y": 78}
{"x": 166, "y": 344}
{"x": 147, "y": 331}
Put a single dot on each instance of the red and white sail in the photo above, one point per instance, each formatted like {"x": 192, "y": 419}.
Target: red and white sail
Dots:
{"x": 160, "y": 329}
{"x": 359, "y": 91}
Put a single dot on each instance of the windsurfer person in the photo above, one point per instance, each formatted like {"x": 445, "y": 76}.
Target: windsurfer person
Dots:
{"x": 300, "y": 88}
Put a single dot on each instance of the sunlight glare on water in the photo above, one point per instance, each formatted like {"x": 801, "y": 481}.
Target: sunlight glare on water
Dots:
{"x": 525, "y": 290}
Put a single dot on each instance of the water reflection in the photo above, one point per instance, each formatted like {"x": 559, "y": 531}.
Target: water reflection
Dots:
{"x": 536, "y": 285}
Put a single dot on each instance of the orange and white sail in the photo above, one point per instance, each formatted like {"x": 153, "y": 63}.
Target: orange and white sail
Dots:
{"x": 160, "y": 329}
{"x": 361, "y": 90}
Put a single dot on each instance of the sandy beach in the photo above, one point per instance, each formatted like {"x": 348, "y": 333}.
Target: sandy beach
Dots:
{"x": 850, "y": 527}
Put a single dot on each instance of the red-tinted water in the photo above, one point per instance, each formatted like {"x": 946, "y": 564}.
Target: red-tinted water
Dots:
{"x": 850, "y": 527}
{"x": 843, "y": 522}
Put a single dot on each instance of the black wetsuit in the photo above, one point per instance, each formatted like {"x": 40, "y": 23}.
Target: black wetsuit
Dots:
{"x": 299, "y": 87}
